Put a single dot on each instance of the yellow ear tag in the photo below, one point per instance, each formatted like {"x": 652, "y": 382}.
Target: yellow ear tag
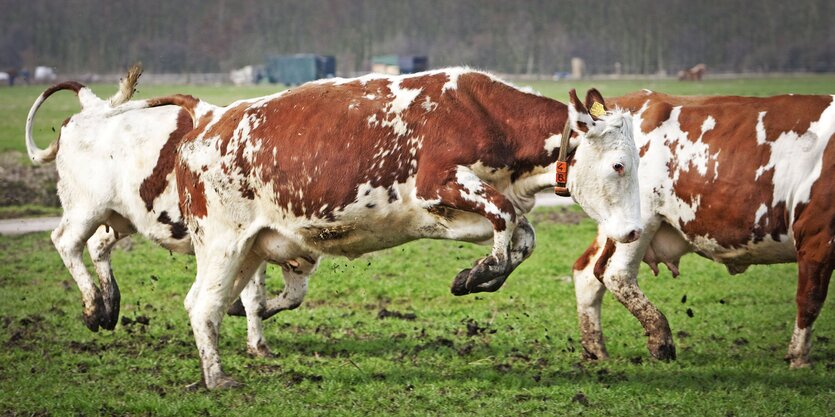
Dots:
{"x": 597, "y": 109}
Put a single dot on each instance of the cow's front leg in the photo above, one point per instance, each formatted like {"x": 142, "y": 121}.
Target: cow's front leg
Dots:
{"x": 620, "y": 276}
{"x": 589, "y": 293}
{"x": 69, "y": 237}
{"x": 100, "y": 246}
{"x": 467, "y": 192}
{"x": 222, "y": 271}
{"x": 521, "y": 247}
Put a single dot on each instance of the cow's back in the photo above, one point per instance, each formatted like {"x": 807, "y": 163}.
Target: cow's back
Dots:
{"x": 357, "y": 160}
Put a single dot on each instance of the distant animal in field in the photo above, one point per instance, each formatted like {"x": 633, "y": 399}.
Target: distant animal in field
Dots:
{"x": 693, "y": 74}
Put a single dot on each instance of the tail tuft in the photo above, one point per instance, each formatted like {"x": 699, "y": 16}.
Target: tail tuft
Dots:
{"x": 127, "y": 86}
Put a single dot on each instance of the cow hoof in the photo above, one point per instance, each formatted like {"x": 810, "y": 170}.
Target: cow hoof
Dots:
{"x": 459, "y": 284}
{"x": 110, "y": 320}
{"x": 224, "y": 382}
{"x": 485, "y": 274}
{"x": 95, "y": 316}
{"x": 664, "y": 352}
{"x": 260, "y": 351}
{"x": 112, "y": 302}
{"x": 491, "y": 286}
{"x": 221, "y": 382}
{"x": 236, "y": 309}
{"x": 593, "y": 355}
{"x": 796, "y": 362}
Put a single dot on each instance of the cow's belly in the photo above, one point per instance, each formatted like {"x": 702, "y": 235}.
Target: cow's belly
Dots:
{"x": 767, "y": 251}
{"x": 355, "y": 235}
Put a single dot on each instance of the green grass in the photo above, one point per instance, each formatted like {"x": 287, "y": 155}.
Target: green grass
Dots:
{"x": 335, "y": 357}
{"x": 28, "y": 210}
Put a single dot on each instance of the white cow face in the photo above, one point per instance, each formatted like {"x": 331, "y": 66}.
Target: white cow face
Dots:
{"x": 604, "y": 177}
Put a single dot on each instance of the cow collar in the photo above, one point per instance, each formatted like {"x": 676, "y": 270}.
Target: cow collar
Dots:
{"x": 596, "y": 110}
{"x": 562, "y": 162}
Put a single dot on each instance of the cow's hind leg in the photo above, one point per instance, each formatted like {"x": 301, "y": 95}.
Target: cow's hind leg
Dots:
{"x": 75, "y": 228}
{"x": 252, "y": 304}
{"x": 812, "y": 286}
{"x": 296, "y": 275}
{"x": 100, "y": 246}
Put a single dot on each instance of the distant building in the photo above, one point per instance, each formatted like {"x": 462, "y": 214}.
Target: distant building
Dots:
{"x": 399, "y": 64}
{"x": 299, "y": 68}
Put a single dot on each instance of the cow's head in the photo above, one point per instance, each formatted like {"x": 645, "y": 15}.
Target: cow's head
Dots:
{"x": 604, "y": 176}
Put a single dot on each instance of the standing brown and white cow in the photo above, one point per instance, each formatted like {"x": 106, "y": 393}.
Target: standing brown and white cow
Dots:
{"x": 350, "y": 166}
{"x": 738, "y": 180}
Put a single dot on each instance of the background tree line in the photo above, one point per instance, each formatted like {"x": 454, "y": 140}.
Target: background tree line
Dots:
{"x": 523, "y": 36}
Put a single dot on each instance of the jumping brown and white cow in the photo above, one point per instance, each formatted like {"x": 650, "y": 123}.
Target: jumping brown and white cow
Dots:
{"x": 738, "y": 180}
{"x": 117, "y": 178}
{"x": 350, "y": 166}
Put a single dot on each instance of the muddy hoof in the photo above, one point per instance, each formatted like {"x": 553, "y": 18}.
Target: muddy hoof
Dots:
{"x": 596, "y": 355}
{"x": 112, "y": 303}
{"x": 796, "y": 362}
{"x": 490, "y": 286}
{"x": 260, "y": 351}
{"x": 225, "y": 382}
{"x": 485, "y": 274}
{"x": 459, "y": 284}
{"x": 94, "y": 316}
{"x": 237, "y": 309}
{"x": 665, "y": 352}
{"x": 110, "y": 320}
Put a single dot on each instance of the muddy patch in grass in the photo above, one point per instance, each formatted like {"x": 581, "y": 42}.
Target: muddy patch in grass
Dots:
{"x": 22, "y": 183}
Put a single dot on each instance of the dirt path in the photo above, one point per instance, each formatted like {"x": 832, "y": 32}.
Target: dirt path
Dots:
{"x": 12, "y": 227}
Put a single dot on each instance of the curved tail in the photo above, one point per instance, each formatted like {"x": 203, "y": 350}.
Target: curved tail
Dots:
{"x": 37, "y": 155}
{"x": 127, "y": 87}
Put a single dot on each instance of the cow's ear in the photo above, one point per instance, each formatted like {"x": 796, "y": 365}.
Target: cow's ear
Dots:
{"x": 595, "y": 103}
{"x": 578, "y": 114}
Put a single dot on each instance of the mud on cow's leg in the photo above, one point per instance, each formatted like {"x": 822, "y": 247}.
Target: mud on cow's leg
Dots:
{"x": 521, "y": 247}
{"x": 589, "y": 292}
{"x": 100, "y": 246}
{"x": 467, "y": 192}
{"x": 621, "y": 278}
{"x": 74, "y": 229}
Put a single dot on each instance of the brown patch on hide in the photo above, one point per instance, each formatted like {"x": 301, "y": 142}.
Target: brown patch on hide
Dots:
{"x": 155, "y": 184}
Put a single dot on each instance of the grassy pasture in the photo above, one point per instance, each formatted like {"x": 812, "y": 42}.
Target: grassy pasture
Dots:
{"x": 515, "y": 352}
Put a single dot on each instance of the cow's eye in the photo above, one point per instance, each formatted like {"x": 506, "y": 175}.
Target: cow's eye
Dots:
{"x": 618, "y": 167}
